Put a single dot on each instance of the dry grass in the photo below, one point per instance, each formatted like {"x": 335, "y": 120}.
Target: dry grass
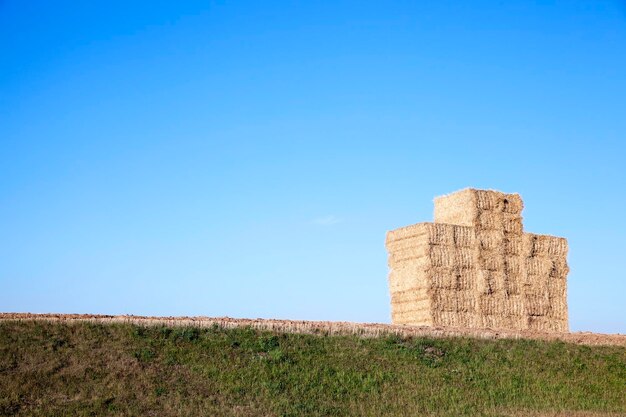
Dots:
{"x": 85, "y": 368}
{"x": 366, "y": 330}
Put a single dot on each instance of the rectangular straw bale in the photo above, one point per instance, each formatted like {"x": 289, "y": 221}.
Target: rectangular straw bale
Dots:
{"x": 560, "y": 269}
{"x": 424, "y": 255}
{"x": 458, "y": 208}
{"x": 513, "y": 265}
{"x": 489, "y": 220}
{"x": 539, "y": 265}
{"x": 465, "y": 258}
{"x": 490, "y": 321}
{"x": 413, "y": 231}
{"x": 544, "y": 245}
{"x": 512, "y": 224}
{"x": 547, "y": 324}
{"x": 452, "y": 300}
{"x": 463, "y": 207}
{"x": 512, "y": 286}
{"x": 445, "y": 278}
{"x": 489, "y": 282}
{"x": 445, "y": 256}
{"x": 405, "y": 307}
{"x": 488, "y": 200}
{"x": 415, "y": 252}
{"x": 537, "y": 304}
{"x": 492, "y": 240}
{"x": 412, "y": 318}
{"x": 448, "y": 278}
{"x": 558, "y": 309}
{"x": 492, "y": 260}
{"x": 515, "y": 305}
{"x": 464, "y": 236}
{"x": 432, "y": 233}
{"x": 557, "y": 289}
{"x": 418, "y": 296}
{"x": 512, "y": 203}
{"x": 513, "y": 244}
{"x": 404, "y": 280}
{"x": 491, "y": 304}
{"x": 455, "y": 319}
{"x": 467, "y": 279}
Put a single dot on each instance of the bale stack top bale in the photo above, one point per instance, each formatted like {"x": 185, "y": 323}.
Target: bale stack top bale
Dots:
{"x": 475, "y": 267}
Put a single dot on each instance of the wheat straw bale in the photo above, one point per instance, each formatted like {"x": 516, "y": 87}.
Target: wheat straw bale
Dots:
{"x": 537, "y": 304}
{"x": 495, "y": 200}
{"x": 452, "y": 300}
{"x": 464, "y": 236}
{"x": 491, "y": 303}
{"x": 558, "y": 310}
{"x": 534, "y": 283}
{"x": 458, "y": 208}
{"x": 432, "y": 233}
{"x": 406, "y": 307}
{"x": 455, "y": 319}
{"x": 557, "y": 289}
{"x": 519, "y": 322}
{"x": 560, "y": 269}
{"x": 494, "y": 220}
{"x": 465, "y": 258}
{"x": 491, "y": 240}
{"x": 407, "y": 278}
{"x": 418, "y": 296}
{"x": 539, "y": 265}
{"x": 492, "y": 260}
{"x": 490, "y": 282}
{"x": 513, "y": 244}
{"x": 464, "y": 207}
{"x": 489, "y": 321}
{"x": 544, "y": 245}
{"x": 512, "y": 224}
{"x": 446, "y": 278}
{"x": 512, "y": 285}
{"x": 547, "y": 324}
{"x": 489, "y": 220}
{"x": 515, "y": 304}
{"x": 413, "y": 318}
{"x": 404, "y": 280}
{"x": 474, "y": 267}
{"x": 513, "y": 265}
{"x": 436, "y": 255}
{"x": 467, "y": 279}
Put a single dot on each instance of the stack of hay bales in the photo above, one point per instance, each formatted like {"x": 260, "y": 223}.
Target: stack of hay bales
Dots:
{"x": 474, "y": 267}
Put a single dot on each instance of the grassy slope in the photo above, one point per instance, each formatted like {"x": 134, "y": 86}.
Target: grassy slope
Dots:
{"x": 93, "y": 369}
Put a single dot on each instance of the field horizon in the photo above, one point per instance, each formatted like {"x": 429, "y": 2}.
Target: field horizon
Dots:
{"x": 100, "y": 366}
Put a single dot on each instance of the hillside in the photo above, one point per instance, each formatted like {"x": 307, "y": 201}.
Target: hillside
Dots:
{"x": 83, "y": 368}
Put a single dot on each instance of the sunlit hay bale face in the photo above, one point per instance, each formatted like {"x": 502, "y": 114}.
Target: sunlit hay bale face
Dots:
{"x": 475, "y": 267}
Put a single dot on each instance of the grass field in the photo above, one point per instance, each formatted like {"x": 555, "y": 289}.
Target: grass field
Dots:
{"x": 86, "y": 369}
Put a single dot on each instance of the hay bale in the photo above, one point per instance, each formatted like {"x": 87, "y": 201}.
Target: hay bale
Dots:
{"x": 474, "y": 267}
{"x": 490, "y": 282}
{"x": 539, "y": 266}
{"x": 464, "y": 236}
{"x": 490, "y": 240}
{"x": 492, "y": 260}
{"x": 544, "y": 245}
{"x": 431, "y": 233}
{"x": 513, "y": 245}
{"x": 465, "y": 207}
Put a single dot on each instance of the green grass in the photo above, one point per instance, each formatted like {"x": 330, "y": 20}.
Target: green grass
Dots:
{"x": 84, "y": 369}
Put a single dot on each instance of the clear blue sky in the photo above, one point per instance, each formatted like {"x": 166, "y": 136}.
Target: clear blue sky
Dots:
{"x": 247, "y": 158}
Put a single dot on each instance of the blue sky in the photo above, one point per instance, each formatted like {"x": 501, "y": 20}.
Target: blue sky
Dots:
{"x": 245, "y": 159}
